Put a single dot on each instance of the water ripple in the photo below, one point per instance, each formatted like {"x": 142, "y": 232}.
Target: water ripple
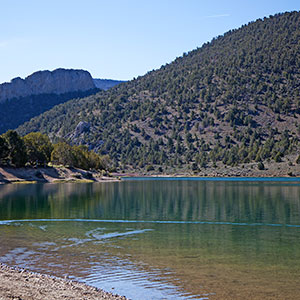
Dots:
{"x": 8, "y": 222}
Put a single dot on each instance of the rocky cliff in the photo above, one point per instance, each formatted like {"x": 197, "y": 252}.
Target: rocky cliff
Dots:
{"x": 46, "y": 82}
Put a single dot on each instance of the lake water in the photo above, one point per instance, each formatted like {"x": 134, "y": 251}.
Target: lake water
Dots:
{"x": 159, "y": 239}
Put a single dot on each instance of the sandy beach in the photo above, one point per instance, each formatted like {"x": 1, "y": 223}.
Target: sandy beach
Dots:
{"x": 20, "y": 284}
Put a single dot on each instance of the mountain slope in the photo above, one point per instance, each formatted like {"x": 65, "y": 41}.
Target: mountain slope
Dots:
{"x": 23, "y": 99}
{"x": 15, "y": 112}
{"x": 106, "y": 84}
{"x": 235, "y": 99}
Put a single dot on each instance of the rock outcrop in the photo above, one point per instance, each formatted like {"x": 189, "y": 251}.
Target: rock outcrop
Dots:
{"x": 58, "y": 81}
{"x": 82, "y": 127}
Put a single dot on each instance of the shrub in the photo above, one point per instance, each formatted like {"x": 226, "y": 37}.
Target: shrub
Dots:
{"x": 150, "y": 168}
{"x": 260, "y": 166}
{"x": 277, "y": 157}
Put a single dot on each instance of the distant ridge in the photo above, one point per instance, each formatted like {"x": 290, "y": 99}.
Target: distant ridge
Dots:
{"x": 23, "y": 99}
{"x": 106, "y": 84}
{"x": 59, "y": 81}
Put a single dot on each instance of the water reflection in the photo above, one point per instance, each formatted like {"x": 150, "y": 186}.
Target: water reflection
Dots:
{"x": 155, "y": 200}
{"x": 169, "y": 240}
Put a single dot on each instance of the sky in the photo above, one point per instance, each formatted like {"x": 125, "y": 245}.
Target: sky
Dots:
{"x": 116, "y": 39}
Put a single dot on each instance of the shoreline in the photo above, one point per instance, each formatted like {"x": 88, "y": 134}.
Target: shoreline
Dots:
{"x": 286, "y": 168}
{"x": 21, "y": 284}
{"x": 213, "y": 178}
{"x": 59, "y": 174}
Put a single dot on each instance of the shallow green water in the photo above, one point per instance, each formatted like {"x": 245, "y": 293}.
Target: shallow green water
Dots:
{"x": 159, "y": 239}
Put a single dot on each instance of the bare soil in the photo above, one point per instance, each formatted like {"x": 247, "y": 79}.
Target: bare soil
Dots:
{"x": 286, "y": 168}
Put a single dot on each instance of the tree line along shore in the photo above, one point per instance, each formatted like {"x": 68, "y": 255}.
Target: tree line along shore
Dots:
{"x": 36, "y": 150}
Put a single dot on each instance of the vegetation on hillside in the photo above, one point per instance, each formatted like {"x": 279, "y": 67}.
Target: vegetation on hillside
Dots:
{"x": 15, "y": 112}
{"x": 234, "y": 100}
{"x": 36, "y": 149}
{"x": 106, "y": 84}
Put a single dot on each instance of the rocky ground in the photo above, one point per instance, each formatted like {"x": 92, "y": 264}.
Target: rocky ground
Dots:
{"x": 19, "y": 284}
{"x": 286, "y": 168}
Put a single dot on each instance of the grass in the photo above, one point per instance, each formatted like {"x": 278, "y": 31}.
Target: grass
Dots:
{"x": 73, "y": 181}
{"x": 24, "y": 182}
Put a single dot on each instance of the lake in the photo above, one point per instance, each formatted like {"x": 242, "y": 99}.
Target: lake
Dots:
{"x": 159, "y": 238}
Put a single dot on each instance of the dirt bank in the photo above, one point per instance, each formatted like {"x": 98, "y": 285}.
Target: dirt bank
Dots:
{"x": 288, "y": 167}
{"x": 50, "y": 174}
{"x": 19, "y": 284}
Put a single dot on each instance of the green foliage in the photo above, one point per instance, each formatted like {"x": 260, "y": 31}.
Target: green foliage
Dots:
{"x": 63, "y": 154}
{"x": 38, "y": 148}
{"x": 150, "y": 168}
{"x": 16, "y": 154}
{"x": 78, "y": 156}
{"x": 277, "y": 157}
{"x": 85, "y": 159}
{"x": 260, "y": 166}
{"x": 3, "y": 150}
{"x": 218, "y": 103}
{"x": 15, "y": 112}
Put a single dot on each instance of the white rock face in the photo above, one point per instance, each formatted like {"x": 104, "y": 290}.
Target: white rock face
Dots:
{"x": 46, "y": 82}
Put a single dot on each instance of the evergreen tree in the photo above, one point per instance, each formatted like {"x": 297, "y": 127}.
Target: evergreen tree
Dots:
{"x": 38, "y": 148}
{"x": 16, "y": 149}
{"x": 3, "y": 150}
{"x": 63, "y": 154}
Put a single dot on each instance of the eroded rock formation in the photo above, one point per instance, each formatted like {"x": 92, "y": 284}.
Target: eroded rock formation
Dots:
{"x": 58, "y": 81}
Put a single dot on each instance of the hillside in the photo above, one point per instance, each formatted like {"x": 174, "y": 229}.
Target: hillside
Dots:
{"x": 15, "y": 112}
{"x": 106, "y": 84}
{"x": 23, "y": 99}
{"x": 235, "y": 100}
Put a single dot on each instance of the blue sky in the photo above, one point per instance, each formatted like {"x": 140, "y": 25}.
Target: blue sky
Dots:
{"x": 118, "y": 39}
